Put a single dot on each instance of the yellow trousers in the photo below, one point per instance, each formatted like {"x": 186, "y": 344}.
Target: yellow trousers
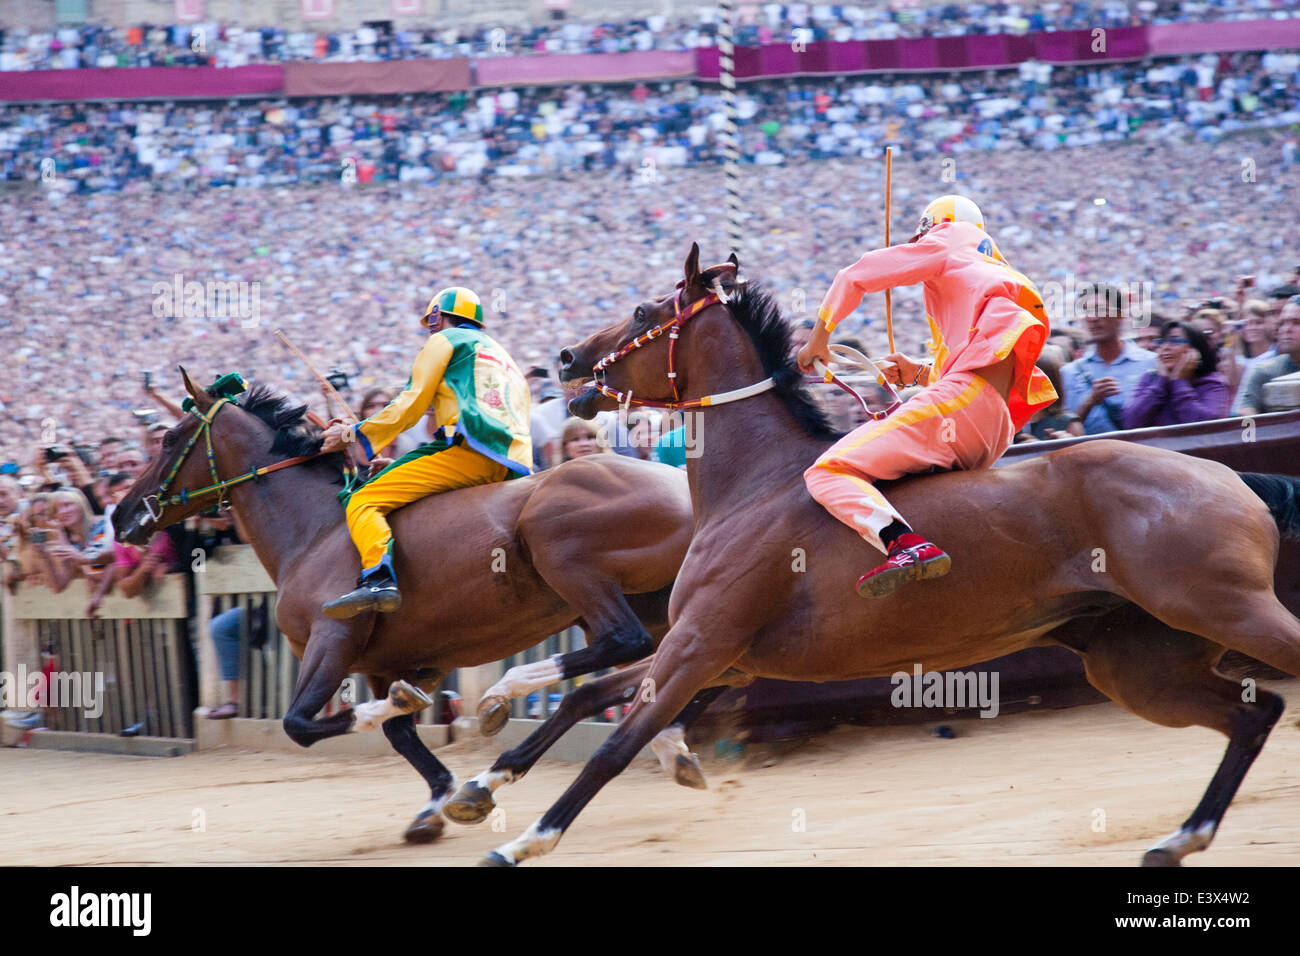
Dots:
{"x": 404, "y": 482}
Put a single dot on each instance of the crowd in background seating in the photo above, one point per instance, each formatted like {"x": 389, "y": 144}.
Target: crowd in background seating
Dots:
{"x": 223, "y": 44}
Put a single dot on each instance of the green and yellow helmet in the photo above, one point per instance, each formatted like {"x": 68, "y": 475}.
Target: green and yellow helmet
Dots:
{"x": 457, "y": 301}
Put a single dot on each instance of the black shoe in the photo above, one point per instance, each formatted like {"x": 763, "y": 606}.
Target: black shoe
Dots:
{"x": 378, "y": 592}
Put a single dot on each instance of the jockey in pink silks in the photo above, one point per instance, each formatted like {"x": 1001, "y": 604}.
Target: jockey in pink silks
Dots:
{"x": 987, "y": 327}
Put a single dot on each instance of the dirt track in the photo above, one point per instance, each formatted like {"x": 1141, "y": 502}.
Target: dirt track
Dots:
{"x": 1018, "y": 790}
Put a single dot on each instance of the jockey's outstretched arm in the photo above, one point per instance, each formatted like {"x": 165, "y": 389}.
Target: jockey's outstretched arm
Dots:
{"x": 403, "y": 412}
{"x": 882, "y": 269}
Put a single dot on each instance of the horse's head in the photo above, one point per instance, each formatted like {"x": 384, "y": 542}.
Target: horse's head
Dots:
{"x": 638, "y": 359}
{"x": 181, "y": 467}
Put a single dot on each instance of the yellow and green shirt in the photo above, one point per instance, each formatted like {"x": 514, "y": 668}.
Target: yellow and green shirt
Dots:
{"x": 475, "y": 390}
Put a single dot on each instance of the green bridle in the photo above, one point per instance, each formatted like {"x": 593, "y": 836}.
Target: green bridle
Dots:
{"x": 218, "y": 485}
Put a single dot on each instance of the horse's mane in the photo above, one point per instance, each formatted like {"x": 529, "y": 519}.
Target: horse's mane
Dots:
{"x": 294, "y": 435}
{"x": 758, "y": 314}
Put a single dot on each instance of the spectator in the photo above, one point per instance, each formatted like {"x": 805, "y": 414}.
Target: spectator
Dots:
{"x": 1184, "y": 387}
{"x": 1288, "y": 344}
{"x": 135, "y": 569}
{"x": 67, "y": 545}
{"x": 547, "y": 420}
{"x": 1098, "y": 384}
{"x": 580, "y": 438}
{"x": 225, "y": 629}
{"x": 1257, "y": 341}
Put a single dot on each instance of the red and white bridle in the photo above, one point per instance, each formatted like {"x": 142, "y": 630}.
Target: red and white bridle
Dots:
{"x": 674, "y": 327}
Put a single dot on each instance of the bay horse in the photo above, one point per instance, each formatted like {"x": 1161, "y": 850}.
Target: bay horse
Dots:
{"x": 1041, "y": 550}
{"x": 492, "y": 570}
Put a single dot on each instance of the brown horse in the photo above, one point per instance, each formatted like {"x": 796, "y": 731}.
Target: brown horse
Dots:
{"x": 491, "y": 569}
{"x": 1040, "y": 550}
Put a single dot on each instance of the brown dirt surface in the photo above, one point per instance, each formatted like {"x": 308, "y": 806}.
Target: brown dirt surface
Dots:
{"x": 1086, "y": 786}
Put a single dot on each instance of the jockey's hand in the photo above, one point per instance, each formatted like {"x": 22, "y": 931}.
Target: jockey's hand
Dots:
{"x": 900, "y": 370}
{"x": 378, "y": 464}
{"x": 337, "y": 437}
{"x": 808, "y": 354}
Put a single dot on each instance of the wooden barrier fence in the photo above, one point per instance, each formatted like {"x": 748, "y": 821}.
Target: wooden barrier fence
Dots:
{"x": 233, "y": 577}
{"x": 154, "y": 672}
{"x": 130, "y": 663}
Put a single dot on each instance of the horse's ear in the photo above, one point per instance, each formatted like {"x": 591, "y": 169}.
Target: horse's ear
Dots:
{"x": 692, "y": 268}
{"x": 734, "y": 261}
{"x": 202, "y": 400}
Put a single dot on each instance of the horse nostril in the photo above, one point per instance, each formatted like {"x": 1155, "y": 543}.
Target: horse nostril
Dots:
{"x": 566, "y": 359}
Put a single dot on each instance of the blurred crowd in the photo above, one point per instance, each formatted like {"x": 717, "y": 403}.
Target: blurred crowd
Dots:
{"x": 221, "y": 44}
{"x": 435, "y": 139}
{"x": 1152, "y": 205}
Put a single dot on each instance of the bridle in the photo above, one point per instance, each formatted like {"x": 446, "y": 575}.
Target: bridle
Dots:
{"x": 674, "y": 327}
{"x": 218, "y": 486}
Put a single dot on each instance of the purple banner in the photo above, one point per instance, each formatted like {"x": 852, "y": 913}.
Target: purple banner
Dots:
{"x": 548, "y": 69}
{"x": 150, "y": 82}
{"x": 369, "y": 78}
{"x": 1176, "y": 38}
{"x": 928, "y": 53}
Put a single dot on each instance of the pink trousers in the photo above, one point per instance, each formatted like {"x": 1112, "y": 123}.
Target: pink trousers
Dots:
{"x": 959, "y": 422}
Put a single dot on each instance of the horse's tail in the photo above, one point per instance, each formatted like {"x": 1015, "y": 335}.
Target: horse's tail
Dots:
{"x": 1282, "y": 495}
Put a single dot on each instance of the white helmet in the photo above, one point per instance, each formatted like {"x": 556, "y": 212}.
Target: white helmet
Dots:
{"x": 949, "y": 209}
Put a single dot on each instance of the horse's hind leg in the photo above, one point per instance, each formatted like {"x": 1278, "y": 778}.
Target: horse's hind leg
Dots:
{"x": 615, "y": 636}
{"x": 1169, "y": 679}
{"x": 402, "y": 734}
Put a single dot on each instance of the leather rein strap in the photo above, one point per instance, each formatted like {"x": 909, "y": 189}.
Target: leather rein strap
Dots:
{"x": 218, "y": 486}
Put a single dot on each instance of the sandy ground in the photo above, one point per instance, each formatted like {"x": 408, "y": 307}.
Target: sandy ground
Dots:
{"x": 1091, "y": 785}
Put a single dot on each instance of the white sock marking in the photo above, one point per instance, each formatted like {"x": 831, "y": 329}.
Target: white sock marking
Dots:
{"x": 522, "y": 680}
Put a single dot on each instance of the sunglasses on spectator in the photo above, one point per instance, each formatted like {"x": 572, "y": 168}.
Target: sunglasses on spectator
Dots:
{"x": 1174, "y": 340}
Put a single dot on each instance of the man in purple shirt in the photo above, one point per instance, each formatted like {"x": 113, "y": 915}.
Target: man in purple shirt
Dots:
{"x": 1183, "y": 387}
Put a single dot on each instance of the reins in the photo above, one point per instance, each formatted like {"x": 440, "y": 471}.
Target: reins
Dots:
{"x": 219, "y": 486}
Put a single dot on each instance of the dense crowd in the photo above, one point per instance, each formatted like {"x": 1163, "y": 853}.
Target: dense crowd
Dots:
{"x": 109, "y": 280}
{"x": 220, "y": 44}
{"x": 439, "y": 138}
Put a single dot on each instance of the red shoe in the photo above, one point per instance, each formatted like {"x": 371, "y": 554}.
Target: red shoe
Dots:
{"x": 911, "y": 558}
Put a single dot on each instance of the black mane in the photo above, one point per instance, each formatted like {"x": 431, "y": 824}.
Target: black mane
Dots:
{"x": 294, "y": 435}
{"x": 758, "y": 314}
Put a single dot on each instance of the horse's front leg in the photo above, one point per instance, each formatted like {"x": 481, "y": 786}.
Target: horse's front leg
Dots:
{"x": 405, "y": 738}
{"x": 331, "y": 651}
{"x": 685, "y": 663}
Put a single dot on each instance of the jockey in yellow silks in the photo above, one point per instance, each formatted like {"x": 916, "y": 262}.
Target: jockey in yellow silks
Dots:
{"x": 481, "y": 408}
{"x": 987, "y": 326}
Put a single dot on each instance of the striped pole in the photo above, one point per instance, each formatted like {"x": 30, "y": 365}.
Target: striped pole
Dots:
{"x": 730, "y": 134}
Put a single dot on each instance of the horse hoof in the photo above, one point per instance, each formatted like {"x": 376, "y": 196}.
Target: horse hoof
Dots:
{"x": 1159, "y": 857}
{"x": 688, "y": 772}
{"x": 494, "y": 859}
{"x": 426, "y": 828}
{"x": 493, "y": 714}
{"x": 471, "y": 804}
{"x": 408, "y": 698}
